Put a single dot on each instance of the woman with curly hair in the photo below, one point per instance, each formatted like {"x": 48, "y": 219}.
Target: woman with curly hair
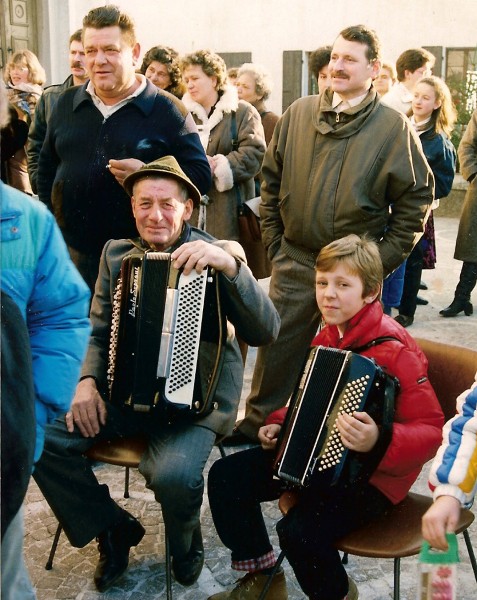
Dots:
{"x": 232, "y": 136}
{"x": 24, "y": 78}
{"x": 160, "y": 65}
{"x": 254, "y": 85}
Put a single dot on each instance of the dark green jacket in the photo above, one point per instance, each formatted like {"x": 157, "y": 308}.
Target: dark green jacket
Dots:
{"x": 323, "y": 180}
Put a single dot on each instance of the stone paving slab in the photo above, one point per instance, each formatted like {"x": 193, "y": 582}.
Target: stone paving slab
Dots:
{"x": 71, "y": 576}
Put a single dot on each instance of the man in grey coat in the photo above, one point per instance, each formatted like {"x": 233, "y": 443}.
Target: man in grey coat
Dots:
{"x": 163, "y": 198}
{"x": 37, "y": 133}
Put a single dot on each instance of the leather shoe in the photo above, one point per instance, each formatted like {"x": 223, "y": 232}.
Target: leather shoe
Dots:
{"x": 114, "y": 545}
{"x": 457, "y": 307}
{"x": 423, "y": 286}
{"x": 187, "y": 569}
{"x": 421, "y": 301}
{"x": 404, "y": 320}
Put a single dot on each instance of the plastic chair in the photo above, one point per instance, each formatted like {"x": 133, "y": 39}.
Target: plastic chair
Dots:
{"x": 122, "y": 452}
{"x": 398, "y": 533}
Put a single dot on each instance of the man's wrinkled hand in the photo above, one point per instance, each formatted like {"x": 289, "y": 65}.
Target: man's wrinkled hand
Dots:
{"x": 199, "y": 254}
{"x": 88, "y": 410}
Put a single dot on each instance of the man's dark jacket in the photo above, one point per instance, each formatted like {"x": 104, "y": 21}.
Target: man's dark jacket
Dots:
{"x": 37, "y": 133}
{"x": 90, "y": 206}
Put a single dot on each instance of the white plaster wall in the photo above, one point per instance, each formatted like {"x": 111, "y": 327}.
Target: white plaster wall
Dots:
{"x": 268, "y": 27}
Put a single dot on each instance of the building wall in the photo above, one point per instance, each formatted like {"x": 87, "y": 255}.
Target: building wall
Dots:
{"x": 267, "y": 27}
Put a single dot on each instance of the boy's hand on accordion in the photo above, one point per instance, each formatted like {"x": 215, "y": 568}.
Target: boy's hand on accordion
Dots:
{"x": 199, "y": 254}
{"x": 88, "y": 410}
{"x": 359, "y": 431}
{"x": 268, "y": 434}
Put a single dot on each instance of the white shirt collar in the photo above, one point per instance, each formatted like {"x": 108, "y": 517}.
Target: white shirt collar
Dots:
{"x": 338, "y": 104}
{"x": 107, "y": 110}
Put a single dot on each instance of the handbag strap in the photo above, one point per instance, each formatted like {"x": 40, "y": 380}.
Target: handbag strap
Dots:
{"x": 235, "y": 147}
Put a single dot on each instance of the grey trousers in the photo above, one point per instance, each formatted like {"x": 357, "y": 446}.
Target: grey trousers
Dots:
{"x": 292, "y": 291}
{"x": 172, "y": 466}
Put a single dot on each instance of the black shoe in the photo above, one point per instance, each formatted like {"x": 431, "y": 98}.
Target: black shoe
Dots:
{"x": 421, "y": 301}
{"x": 114, "y": 545}
{"x": 457, "y": 307}
{"x": 187, "y": 570}
{"x": 404, "y": 320}
{"x": 237, "y": 438}
{"x": 423, "y": 286}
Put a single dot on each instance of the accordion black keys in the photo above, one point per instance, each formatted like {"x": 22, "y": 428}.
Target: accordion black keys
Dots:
{"x": 333, "y": 381}
{"x": 160, "y": 320}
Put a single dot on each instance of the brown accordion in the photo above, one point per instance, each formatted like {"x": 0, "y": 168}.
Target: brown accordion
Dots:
{"x": 161, "y": 319}
{"x": 333, "y": 382}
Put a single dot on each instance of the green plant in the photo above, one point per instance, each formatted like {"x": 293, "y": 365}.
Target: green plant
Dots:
{"x": 464, "y": 95}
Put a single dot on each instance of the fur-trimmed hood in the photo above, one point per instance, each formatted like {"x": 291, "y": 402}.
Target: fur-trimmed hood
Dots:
{"x": 227, "y": 103}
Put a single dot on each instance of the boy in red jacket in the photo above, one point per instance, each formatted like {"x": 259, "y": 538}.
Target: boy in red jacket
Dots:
{"x": 348, "y": 287}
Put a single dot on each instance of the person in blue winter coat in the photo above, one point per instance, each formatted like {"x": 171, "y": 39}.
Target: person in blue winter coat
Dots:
{"x": 53, "y": 300}
{"x": 433, "y": 116}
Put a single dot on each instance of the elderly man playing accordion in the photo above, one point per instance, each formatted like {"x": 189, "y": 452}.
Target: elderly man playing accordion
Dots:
{"x": 163, "y": 199}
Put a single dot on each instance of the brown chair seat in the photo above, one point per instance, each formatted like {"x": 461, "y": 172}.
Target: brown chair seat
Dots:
{"x": 122, "y": 452}
{"x": 398, "y": 533}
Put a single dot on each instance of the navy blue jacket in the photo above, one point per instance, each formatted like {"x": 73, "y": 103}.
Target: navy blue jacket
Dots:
{"x": 73, "y": 181}
{"x": 440, "y": 154}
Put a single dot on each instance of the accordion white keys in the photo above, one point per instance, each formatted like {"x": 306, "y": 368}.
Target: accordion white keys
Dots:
{"x": 333, "y": 382}
{"x": 160, "y": 319}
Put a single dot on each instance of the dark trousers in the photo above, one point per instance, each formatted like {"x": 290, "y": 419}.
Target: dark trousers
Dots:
{"x": 240, "y": 482}
{"x": 172, "y": 466}
{"x": 412, "y": 280}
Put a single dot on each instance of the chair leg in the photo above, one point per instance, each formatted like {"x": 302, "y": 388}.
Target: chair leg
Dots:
{"x": 54, "y": 545}
{"x": 221, "y": 448}
{"x": 267, "y": 585}
{"x": 397, "y": 577}
{"x": 168, "y": 570}
{"x": 470, "y": 550}
{"x": 126, "y": 483}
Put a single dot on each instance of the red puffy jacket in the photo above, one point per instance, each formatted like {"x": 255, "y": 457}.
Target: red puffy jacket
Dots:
{"x": 418, "y": 419}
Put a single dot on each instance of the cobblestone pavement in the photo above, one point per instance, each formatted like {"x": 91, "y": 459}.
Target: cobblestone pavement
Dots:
{"x": 71, "y": 576}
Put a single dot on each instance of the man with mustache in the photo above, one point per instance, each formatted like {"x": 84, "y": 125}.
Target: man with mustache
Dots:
{"x": 48, "y": 99}
{"x": 338, "y": 163}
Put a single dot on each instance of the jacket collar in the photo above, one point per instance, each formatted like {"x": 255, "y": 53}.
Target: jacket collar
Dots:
{"x": 227, "y": 103}
{"x": 144, "y": 102}
{"x": 351, "y": 119}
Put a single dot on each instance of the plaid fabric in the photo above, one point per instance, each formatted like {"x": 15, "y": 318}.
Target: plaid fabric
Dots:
{"x": 253, "y": 565}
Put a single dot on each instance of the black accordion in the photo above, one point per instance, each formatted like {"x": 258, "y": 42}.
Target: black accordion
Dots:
{"x": 161, "y": 319}
{"x": 333, "y": 381}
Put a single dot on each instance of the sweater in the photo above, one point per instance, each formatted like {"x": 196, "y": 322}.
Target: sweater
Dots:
{"x": 73, "y": 179}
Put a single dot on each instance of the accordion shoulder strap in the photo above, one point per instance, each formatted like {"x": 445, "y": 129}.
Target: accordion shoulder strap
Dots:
{"x": 375, "y": 342}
